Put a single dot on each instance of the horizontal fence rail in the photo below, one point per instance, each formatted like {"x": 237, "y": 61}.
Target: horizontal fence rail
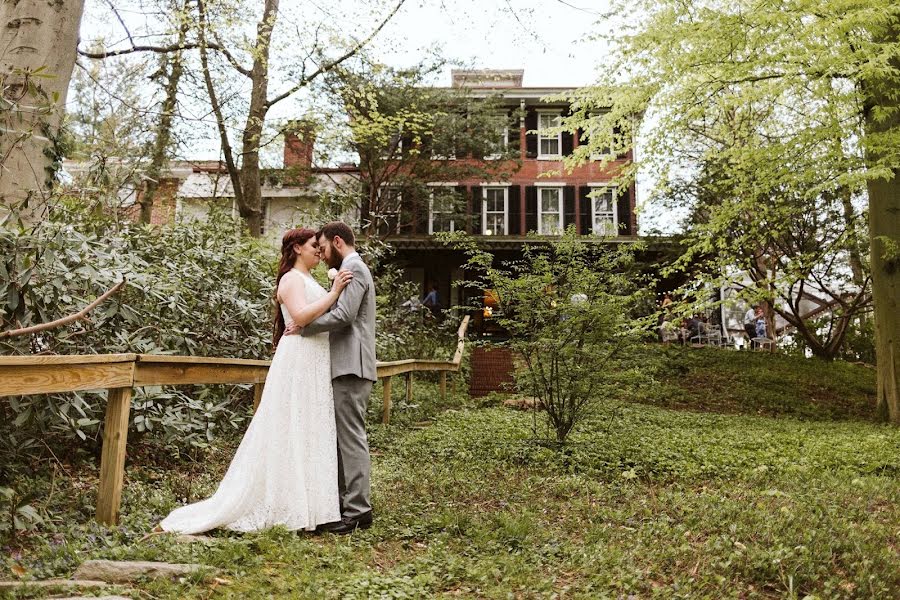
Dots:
{"x": 119, "y": 374}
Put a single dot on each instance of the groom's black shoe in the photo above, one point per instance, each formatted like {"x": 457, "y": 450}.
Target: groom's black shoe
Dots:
{"x": 348, "y": 524}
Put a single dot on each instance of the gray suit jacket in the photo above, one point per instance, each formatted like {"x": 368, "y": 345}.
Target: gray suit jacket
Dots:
{"x": 351, "y": 322}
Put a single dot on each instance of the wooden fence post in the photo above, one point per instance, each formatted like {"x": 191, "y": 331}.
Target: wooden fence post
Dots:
{"x": 443, "y": 385}
{"x": 112, "y": 458}
{"x": 386, "y": 415}
{"x": 257, "y": 395}
{"x": 409, "y": 387}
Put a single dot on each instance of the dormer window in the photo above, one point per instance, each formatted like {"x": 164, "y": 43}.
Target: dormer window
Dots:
{"x": 549, "y": 143}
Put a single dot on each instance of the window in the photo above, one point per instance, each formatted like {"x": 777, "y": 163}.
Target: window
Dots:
{"x": 387, "y": 213}
{"x": 442, "y": 211}
{"x": 549, "y": 144}
{"x": 550, "y": 210}
{"x": 501, "y": 145}
{"x": 502, "y": 142}
{"x": 495, "y": 210}
{"x": 604, "y": 211}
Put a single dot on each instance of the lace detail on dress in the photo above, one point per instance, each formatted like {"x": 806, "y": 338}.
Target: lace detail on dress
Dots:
{"x": 285, "y": 470}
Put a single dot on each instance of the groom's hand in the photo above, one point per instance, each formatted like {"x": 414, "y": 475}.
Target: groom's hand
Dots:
{"x": 291, "y": 329}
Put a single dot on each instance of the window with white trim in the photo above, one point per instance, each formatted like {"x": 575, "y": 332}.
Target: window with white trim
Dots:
{"x": 495, "y": 210}
{"x": 502, "y": 143}
{"x": 442, "y": 211}
{"x": 387, "y": 215}
{"x": 550, "y": 210}
{"x": 604, "y": 219}
{"x": 549, "y": 144}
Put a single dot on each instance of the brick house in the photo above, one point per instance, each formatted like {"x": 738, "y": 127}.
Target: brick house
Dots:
{"x": 539, "y": 196}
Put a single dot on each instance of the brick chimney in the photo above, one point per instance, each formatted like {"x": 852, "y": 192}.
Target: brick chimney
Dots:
{"x": 487, "y": 78}
{"x": 299, "y": 140}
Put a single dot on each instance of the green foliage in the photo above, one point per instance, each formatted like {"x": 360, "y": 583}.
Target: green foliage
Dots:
{"x": 568, "y": 308}
{"x": 193, "y": 289}
{"x": 769, "y": 152}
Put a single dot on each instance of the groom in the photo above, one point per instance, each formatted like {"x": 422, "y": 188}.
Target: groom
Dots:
{"x": 351, "y": 322}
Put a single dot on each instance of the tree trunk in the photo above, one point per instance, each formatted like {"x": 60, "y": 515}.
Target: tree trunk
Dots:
{"x": 164, "y": 127}
{"x": 35, "y": 34}
{"x": 251, "y": 205}
{"x": 856, "y": 266}
{"x": 884, "y": 233}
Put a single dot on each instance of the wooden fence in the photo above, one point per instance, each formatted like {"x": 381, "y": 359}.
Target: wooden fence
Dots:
{"x": 119, "y": 374}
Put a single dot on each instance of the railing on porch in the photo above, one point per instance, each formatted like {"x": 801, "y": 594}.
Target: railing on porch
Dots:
{"x": 121, "y": 373}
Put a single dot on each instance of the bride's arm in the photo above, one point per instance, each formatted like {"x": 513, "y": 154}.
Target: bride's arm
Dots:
{"x": 292, "y": 291}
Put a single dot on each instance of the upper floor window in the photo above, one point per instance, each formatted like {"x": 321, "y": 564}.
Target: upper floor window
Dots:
{"x": 495, "y": 210}
{"x": 549, "y": 143}
{"x": 442, "y": 214}
{"x": 387, "y": 212}
{"x": 550, "y": 210}
{"x": 502, "y": 144}
{"x": 604, "y": 221}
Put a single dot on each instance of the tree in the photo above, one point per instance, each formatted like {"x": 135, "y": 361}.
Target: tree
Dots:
{"x": 38, "y": 43}
{"x": 244, "y": 167}
{"x": 408, "y": 134}
{"x": 827, "y": 73}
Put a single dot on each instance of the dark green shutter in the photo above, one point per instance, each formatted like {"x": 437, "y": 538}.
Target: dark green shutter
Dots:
{"x": 623, "y": 208}
{"x": 514, "y": 226}
{"x": 475, "y": 211}
{"x": 531, "y": 205}
{"x": 531, "y": 139}
{"x": 514, "y": 147}
{"x": 586, "y": 210}
{"x": 569, "y": 216}
{"x": 459, "y": 208}
{"x": 566, "y": 141}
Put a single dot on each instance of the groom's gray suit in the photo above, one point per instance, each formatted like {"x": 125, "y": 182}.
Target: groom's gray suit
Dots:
{"x": 351, "y": 323}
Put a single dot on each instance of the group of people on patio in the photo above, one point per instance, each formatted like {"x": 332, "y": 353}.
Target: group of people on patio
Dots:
{"x": 696, "y": 329}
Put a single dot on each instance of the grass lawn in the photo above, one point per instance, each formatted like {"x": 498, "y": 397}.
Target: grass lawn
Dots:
{"x": 773, "y": 488}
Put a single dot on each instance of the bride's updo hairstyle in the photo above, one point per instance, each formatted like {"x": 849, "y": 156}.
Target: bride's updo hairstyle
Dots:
{"x": 291, "y": 238}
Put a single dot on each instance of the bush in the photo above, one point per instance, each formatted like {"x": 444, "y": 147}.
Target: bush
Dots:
{"x": 568, "y": 308}
{"x": 196, "y": 288}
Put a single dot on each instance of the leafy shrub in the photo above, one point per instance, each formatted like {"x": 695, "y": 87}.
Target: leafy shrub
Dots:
{"x": 196, "y": 288}
{"x": 567, "y": 306}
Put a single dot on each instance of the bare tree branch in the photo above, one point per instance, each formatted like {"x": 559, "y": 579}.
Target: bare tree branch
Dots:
{"x": 304, "y": 81}
{"x": 65, "y": 320}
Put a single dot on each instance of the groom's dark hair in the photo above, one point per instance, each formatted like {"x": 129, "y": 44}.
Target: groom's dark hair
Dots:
{"x": 339, "y": 229}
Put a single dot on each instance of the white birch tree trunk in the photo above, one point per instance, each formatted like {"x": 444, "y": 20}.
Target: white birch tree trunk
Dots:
{"x": 38, "y": 42}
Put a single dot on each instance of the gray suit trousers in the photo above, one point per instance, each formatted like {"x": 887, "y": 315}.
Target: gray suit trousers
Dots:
{"x": 351, "y": 400}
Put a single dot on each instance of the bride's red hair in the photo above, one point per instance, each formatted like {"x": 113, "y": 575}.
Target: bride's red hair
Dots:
{"x": 291, "y": 238}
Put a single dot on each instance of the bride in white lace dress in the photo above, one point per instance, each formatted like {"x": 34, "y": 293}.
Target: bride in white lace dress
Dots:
{"x": 285, "y": 469}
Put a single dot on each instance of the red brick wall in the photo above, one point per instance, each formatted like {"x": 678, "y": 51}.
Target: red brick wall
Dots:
{"x": 492, "y": 371}
{"x": 164, "y": 202}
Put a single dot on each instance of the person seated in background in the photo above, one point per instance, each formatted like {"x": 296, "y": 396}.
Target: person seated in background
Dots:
{"x": 693, "y": 326}
{"x": 750, "y": 324}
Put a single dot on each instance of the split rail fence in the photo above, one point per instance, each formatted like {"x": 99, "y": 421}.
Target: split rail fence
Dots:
{"x": 119, "y": 374}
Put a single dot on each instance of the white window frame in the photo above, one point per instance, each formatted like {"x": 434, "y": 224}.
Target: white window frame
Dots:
{"x": 560, "y": 190}
{"x": 432, "y": 187}
{"x": 541, "y": 136}
{"x": 484, "y": 211}
{"x": 604, "y": 187}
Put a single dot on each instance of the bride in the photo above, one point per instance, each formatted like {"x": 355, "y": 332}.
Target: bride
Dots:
{"x": 285, "y": 469}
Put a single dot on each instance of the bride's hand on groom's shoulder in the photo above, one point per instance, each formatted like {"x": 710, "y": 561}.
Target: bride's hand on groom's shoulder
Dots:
{"x": 342, "y": 280}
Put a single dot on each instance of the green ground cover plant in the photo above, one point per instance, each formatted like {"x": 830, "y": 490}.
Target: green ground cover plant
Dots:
{"x": 644, "y": 501}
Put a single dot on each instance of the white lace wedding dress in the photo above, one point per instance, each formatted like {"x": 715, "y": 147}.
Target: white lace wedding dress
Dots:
{"x": 285, "y": 469}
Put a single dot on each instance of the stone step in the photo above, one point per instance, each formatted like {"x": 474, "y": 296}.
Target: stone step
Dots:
{"x": 120, "y": 571}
